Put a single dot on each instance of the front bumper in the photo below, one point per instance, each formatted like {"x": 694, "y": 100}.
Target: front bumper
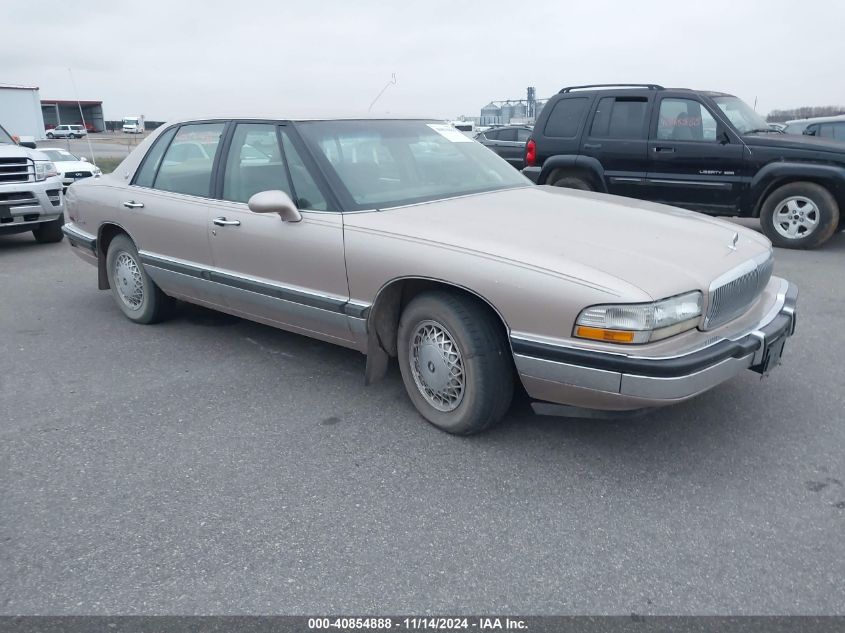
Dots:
{"x": 83, "y": 244}
{"x": 26, "y": 204}
{"x": 610, "y": 381}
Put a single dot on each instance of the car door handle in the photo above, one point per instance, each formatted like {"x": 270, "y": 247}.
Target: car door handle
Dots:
{"x": 131, "y": 204}
{"x": 668, "y": 150}
{"x": 592, "y": 145}
{"x": 222, "y": 221}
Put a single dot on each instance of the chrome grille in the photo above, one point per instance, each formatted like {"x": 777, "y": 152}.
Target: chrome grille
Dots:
{"x": 732, "y": 296}
{"x": 16, "y": 170}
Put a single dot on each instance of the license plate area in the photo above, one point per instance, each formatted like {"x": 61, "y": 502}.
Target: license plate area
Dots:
{"x": 771, "y": 355}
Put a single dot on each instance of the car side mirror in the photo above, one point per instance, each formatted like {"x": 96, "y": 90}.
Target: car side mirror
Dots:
{"x": 723, "y": 137}
{"x": 275, "y": 201}
{"x": 83, "y": 159}
{"x": 29, "y": 144}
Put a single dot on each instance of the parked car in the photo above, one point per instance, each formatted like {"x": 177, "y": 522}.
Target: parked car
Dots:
{"x": 30, "y": 192}
{"x": 705, "y": 151}
{"x": 67, "y": 131}
{"x": 508, "y": 142}
{"x": 70, "y": 166}
{"x": 406, "y": 239}
{"x": 833, "y": 126}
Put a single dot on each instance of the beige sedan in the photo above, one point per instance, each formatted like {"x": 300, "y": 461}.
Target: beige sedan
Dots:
{"x": 405, "y": 239}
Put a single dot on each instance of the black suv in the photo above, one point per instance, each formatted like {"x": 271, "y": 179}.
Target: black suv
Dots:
{"x": 705, "y": 151}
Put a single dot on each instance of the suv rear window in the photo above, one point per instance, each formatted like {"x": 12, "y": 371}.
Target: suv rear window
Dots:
{"x": 620, "y": 117}
{"x": 566, "y": 117}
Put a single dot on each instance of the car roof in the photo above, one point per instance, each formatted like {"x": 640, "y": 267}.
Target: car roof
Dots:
{"x": 304, "y": 118}
{"x": 818, "y": 119}
{"x": 640, "y": 88}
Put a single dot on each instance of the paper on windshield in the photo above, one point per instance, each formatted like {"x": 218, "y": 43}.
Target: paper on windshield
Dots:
{"x": 449, "y": 133}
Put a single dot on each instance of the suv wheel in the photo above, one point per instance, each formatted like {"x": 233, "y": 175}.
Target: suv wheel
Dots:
{"x": 133, "y": 290}
{"x": 47, "y": 232}
{"x": 572, "y": 182}
{"x": 799, "y": 215}
{"x": 455, "y": 362}
{"x": 49, "y": 135}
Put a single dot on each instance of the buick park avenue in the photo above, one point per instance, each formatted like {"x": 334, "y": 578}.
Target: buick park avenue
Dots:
{"x": 406, "y": 239}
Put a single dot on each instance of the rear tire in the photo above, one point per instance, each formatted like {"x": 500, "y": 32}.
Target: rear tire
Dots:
{"x": 49, "y": 232}
{"x": 134, "y": 292}
{"x": 799, "y": 215}
{"x": 455, "y": 362}
{"x": 573, "y": 182}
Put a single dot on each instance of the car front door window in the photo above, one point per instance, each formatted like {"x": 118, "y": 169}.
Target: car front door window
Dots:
{"x": 685, "y": 120}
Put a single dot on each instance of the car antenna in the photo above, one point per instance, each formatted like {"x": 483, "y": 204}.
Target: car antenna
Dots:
{"x": 79, "y": 105}
{"x": 392, "y": 82}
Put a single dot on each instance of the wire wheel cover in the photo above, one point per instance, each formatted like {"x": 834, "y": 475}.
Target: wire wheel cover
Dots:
{"x": 437, "y": 366}
{"x": 128, "y": 281}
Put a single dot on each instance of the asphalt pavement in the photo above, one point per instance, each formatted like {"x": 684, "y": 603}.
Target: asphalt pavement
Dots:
{"x": 212, "y": 465}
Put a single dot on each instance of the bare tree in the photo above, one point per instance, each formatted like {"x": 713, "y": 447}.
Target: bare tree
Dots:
{"x": 804, "y": 112}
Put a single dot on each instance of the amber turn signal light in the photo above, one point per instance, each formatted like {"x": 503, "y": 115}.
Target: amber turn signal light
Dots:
{"x": 601, "y": 334}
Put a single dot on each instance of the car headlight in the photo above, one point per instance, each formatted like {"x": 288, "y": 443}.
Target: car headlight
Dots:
{"x": 45, "y": 169}
{"x": 97, "y": 172}
{"x": 640, "y": 322}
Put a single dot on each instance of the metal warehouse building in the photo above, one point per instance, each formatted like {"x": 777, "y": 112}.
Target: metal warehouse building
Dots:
{"x": 57, "y": 112}
{"x": 20, "y": 111}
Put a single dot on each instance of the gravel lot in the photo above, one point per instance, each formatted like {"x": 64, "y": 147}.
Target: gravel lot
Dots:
{"x": 212, "y": 465}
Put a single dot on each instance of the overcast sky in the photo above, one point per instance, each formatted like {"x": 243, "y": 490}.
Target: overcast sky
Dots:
{"x": 173, "y": 58}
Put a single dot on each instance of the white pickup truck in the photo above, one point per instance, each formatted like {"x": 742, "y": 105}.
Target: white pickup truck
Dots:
{"x": 30, "y": 192}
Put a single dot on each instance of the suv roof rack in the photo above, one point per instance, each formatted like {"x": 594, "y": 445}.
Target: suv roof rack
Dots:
{"x": 649, "y": 86}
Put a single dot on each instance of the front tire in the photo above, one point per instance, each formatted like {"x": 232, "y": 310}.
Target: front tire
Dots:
{"x": 455, "y": 362}
{"x": 134, "y": 292}
{"x": 799, "y": 215}
{"x": 49, "y": 135}
{"x": 49, "y": 232}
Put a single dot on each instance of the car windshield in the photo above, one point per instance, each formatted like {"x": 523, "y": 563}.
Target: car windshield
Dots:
{"x": 392, "y": 163}
{"x": 742, "y": 115}
{"x": 5, "y": 137}
{"x": 58, "y": 155}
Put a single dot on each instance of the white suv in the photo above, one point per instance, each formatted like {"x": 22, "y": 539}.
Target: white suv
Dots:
{"x": 30, "y": 192}
{"x": 67, "y": 131}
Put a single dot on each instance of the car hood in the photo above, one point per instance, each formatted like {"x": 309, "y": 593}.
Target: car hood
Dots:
{"x": 73, "y": 165}
{"x": 16, "y": 151}
{"x": 619, "y": 245}
{"x": 794, "y": 141}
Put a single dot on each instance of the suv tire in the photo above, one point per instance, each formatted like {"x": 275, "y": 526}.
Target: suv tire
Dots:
{"x": 799, "y": 215}
{"x": 135, "y": 293}
{"x": 49, "y": 232}
{"x": 49, "y": 135}
{"x": 572, "y": 182}
{"x": 455, "y": 362}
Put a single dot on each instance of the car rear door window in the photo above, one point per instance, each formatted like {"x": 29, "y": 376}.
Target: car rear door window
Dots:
{"x": 508, "y": 134}
{"x": 685, "y": 120}
{"x": 146, "y": 175}
{"x": 565, "y": 118}
{"x": 620, "y": 117}
{"x": 492, "y": 135}
{"x": 188, "y": 162}
{"x": 523, "y": 135}
{"x": 836, "y": 131}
